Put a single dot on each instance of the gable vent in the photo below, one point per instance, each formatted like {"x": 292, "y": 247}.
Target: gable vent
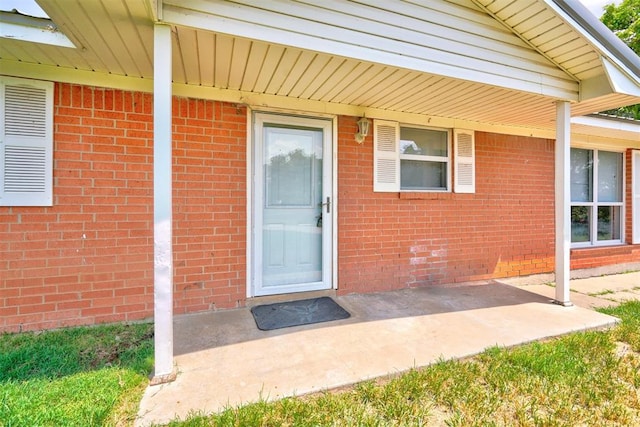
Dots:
{"x": 25, "y": 111}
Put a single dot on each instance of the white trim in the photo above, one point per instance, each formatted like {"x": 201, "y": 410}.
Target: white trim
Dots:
{"x": 74, "y": 76}
{"x": 334, "y": 190}
{"x": 249, "y": 218}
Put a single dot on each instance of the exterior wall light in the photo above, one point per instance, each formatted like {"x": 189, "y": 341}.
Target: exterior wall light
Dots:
{"x": 363, "y": 129}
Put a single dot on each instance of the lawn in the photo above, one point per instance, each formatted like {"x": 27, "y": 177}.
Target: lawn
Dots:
{"x": 88, "y": 376}
{"x": 95, "y": 376}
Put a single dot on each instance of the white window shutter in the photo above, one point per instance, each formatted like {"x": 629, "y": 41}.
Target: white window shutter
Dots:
{"x": 635, "y": 211}
{"x": 26, "y": 142}
{"x": 464, "y": 162}
{"x": 386, "y": 159}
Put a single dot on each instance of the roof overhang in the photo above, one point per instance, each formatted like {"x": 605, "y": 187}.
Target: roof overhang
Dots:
{"x": 440, "y": 62}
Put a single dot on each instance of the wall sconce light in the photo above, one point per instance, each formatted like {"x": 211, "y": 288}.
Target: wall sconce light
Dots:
{"x": 363, "y": 129}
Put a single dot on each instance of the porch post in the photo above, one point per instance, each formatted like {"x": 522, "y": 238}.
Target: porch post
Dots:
{"x": 162, "y": 206}
{"x": 563, "y": 201}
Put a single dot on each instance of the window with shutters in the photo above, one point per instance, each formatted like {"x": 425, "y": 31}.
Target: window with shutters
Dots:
{"x": 26, "y": 142}
{"x": 414, "y": 158}
{"x": 597, "y": 197}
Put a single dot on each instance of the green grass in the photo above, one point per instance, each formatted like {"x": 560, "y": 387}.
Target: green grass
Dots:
{"x": 601, "y": 293}
{"x": 95, "y": 376}
{"x": 74, "y": 377}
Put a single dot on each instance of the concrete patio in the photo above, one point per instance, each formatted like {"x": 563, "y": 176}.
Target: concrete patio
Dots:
{"x": 224, "y": 360}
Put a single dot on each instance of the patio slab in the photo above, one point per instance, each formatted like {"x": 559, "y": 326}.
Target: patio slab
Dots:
{"x": 224, "y": 360}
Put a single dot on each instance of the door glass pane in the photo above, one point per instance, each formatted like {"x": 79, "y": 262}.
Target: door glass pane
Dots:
{"x": 292, "y": 228}
{"x": 423, "y": 142}
{"x": 609, "y": 176}
{"x": 580, "y": 224}
{"x": 290, "y": 158}
{"x": 419, "y": 175}
{"x": 581, "y": 175}
{"x": 609, "y": 223}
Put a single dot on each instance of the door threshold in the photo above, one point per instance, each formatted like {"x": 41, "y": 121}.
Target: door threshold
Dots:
{"x": 271, "y": 299}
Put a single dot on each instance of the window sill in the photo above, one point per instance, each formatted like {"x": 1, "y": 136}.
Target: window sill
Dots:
{"x": 444, "y": 195}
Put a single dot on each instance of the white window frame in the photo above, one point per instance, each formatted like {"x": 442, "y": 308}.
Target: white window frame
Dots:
{"x": 26, "y": 142}
{"x": 594, "y": 204}
{"x": 387, "y": 159}
{"x": 432, "y": 159}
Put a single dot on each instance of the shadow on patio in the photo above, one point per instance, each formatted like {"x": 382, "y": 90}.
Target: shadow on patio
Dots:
{"x": 223, "y": 359}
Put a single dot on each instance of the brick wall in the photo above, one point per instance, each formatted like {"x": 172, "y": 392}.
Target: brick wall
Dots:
{"x": 89, "y": 258}
{"x": 209, "y": 205}
{"x": 393, "y": 240}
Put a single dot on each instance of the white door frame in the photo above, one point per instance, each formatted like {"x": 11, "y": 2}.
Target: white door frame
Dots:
{"x": 328, "y": 123}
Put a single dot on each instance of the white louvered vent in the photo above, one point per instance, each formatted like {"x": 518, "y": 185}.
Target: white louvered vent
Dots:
{"x": 25, "y": 111}
{"x": 464, "y": 169}
{"x": 386, "y": 166}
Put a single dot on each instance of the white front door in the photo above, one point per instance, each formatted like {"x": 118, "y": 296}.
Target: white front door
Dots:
{"x": 293, "y": 211}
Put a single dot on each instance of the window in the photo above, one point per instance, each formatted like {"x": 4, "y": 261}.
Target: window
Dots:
{"x": 424, "y": 159}
{"x": 597, "y": 203}
{"x": 412, "y": 158}
{"x": 26, "y": 142}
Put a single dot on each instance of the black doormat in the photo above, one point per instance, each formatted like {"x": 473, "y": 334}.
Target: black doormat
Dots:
{"x": 295, "y": 313}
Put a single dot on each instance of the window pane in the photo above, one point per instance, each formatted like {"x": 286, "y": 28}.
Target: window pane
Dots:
{"x": 581, "y": 175}
{"x": 609, "y": 223}
{"x": 609, "y": 176}
{"x": 580, "y": 221}
{"x": 419, "y": 175}
{"x": 423, "y": 142}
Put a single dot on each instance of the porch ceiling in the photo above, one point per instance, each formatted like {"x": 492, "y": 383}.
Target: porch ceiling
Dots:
{"x": 116, "y": 38}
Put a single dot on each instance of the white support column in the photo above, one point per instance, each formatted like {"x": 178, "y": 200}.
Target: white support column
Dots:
{"x": 563, "y": 201}
{"x": 162, "y": 206}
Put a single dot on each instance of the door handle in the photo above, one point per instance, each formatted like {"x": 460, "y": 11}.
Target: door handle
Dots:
{"x": 327, "y": 204}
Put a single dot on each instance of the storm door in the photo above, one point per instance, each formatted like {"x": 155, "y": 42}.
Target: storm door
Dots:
{"x": 292, "y": 204}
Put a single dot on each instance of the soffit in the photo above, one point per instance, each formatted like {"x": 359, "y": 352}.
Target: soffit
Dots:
{"x": 116, "y": 38}
{"x": 543, "y": 29}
